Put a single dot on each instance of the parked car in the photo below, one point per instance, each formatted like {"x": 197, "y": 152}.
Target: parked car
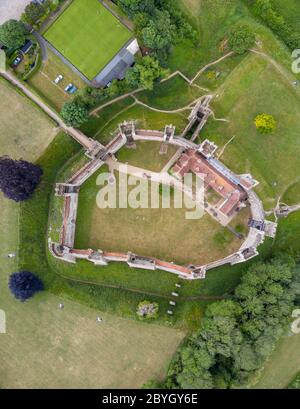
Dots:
{"x": 73, "y": 90}
{"x": 68, "y": 87}
{"x": 17, "y": 61}
{"x": 58, "y": 79}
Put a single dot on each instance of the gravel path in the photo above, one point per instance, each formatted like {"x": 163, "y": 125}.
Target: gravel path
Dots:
{"x": 11, "y": 9}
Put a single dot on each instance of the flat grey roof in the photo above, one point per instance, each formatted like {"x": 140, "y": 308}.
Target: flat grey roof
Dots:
{"x": 116, "y": 68}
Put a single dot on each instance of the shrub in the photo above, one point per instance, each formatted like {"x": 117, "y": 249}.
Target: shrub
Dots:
{"x": 74, "y": 113}
{"x": 24, "y": 285}
{"x": 241, "y": 39}
{"x": 265, "y": 123}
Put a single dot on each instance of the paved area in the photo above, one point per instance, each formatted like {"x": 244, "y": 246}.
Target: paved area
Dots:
{"x": 12, "y": 9}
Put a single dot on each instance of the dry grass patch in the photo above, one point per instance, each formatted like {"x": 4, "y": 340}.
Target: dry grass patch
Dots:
{"x": 25, "y": 131}
{"x": 161, "y": 233}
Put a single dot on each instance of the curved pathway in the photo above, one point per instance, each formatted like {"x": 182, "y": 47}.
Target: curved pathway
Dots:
{"x": 41, "y": 42}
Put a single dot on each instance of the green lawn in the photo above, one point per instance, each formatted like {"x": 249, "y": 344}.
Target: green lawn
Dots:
{"x": 88, "y": 35}
{"x": 282, "y": 366}
{"x": 162, "y": 96}
{"x": 25, "y": 131}
{"x": 254, "y": 87}
{"x": 103, "y": 126}
{"x": 146, "y": 155}
{"x": 42, "y": 81}
{"x": 161, "y": 233}
{"x": 45, "y": 347}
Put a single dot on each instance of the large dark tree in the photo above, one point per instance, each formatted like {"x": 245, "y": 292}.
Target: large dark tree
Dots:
{"x": 12, "y": 34}
{"x": 24, "y": 285}
{"x": 18, "y": 178}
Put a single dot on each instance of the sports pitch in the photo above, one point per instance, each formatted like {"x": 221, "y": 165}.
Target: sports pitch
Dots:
{"x": 88, "y": 35}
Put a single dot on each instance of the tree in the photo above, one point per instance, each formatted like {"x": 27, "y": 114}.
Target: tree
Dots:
{"x": 24, "y": 285}
{"x": 18, "y": 178}
{"x": 12, "y": 34}
{"x": 74, "y": 113}
{"x": 144, "y": 73}
{"x": 132, "y": 7}
{"x": 236, "y": 336}
{"x": 159, "y": 31}
{"x": 34, "y": 11}
{"x": 241, "y": 39}
{"x": 147, "y": 309}
{"x": 265, "y": 123}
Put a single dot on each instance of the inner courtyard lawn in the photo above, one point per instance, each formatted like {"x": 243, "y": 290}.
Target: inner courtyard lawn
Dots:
{"x": 147, "y": 155}
{"x": 161, "y": 233}
{"x": 88, "y": 35}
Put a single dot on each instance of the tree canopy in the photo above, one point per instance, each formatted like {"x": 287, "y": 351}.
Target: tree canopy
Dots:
{"x": 237, "y": 335}
{"x": 12, "y": 34}
{"x": 34, "y": 11}
{"x": 18, "y": 178}
{"x": 24, "y": 285}
{"x": 241, "y": 39}
{"x": 145, "y": 72}
{"x": 265, "y": 123}
{"x": 74, "y": 113}
{"x": 158, "y": 24}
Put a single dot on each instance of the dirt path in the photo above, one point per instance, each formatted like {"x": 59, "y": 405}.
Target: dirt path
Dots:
{"x": 210, "y": 64}
{"x": 129, "y": 94}
{"x": 173, "y": 74}
{"x": 286, "y": 74}
{"x": 164, "y": 111}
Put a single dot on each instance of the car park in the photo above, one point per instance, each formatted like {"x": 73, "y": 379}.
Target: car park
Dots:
{"x": 58, "y": 79}
{"x": 73, "y": 90}
{"x": 69, "y": 87}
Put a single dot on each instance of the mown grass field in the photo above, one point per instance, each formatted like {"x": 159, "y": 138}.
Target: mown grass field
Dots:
{"x": 25, "y": 131}
{"x": 87, "y": 23}
{"x": 282, "y": 366}
{"x": 254, "y": 87}
{"x": 44, "y": 346}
